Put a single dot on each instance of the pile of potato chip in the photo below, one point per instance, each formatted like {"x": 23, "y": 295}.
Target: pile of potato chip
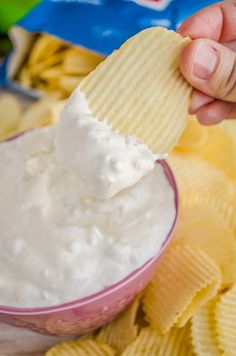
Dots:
{"x": 189, "y": 307}
{"x": 56, "y": 67}
{"x": 14, "y": 118}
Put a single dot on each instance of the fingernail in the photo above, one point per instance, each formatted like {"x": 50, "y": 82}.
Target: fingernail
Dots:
{"x": 205, "y": 61}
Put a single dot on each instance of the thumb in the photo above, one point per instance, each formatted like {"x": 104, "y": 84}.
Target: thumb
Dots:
{"x": 211, "y": 68}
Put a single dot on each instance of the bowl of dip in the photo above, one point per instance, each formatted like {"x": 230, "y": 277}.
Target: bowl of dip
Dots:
{"x": 71, "y": 263}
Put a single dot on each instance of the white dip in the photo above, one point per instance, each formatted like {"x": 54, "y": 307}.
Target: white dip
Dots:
{"x": 58, "y": 242}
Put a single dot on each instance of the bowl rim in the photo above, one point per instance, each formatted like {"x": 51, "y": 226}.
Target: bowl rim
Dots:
{"x": 9, "y": 310}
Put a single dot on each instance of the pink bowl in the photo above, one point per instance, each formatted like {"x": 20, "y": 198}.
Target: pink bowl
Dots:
{"x": 87, "y": 314}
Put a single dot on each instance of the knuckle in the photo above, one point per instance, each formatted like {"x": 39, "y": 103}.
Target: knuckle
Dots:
{"x": 224, "y": 81}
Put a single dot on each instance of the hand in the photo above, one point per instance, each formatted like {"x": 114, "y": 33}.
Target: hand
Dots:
{"x": 209, "y": 62}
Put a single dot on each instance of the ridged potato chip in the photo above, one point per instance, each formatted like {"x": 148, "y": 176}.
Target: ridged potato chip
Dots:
{"x": 226, "y": 321}
{"x": 185, "y": 279}
{"x": 122, "y": 331}
{"x": 176, "y": 343}
{"x": 195, "y": 174}
{"x": 146, "y": 344}
{"x": 219, "y": 149}
{"x": 225, "y": 211}
{"x": 204, "y": 331}
{"x": 140, "y": 91}
{"x": 202, "y": 227}
{"x": 81, "y": 348}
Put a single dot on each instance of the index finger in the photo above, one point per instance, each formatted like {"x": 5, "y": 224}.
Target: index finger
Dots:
{"x": 216, "y": 22}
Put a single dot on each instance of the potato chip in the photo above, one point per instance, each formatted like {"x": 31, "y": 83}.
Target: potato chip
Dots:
{"x": 68, "y": 83}
{"x": 195, "y": 174}
{"x": 226, "y": 321}
{"x": 224, "y": 210}
{"x": 81, "y": 348}
{"x": 230, "y": 127}
{"x": 48, "y": 62}
{"x": 44, "y": 47}
{"x": 219, "y": 149}
{"x": 204, "y": 331}
{"x": 10, "y": 112}
{"x": 146, "y": 344}
{"x": 140, "y": 90}
{"x": 122, "y": 331}
{"x": 80, "y": 61}
{"x": 202, "y": 227}
{"x": 185, "y": 279}
{"x": 51, "y": 73}
{"x": 24, "y": 77}
{"x": 176, "y": 343}
{"x": 194, "y": 136}
{"x": 41, "y": 113}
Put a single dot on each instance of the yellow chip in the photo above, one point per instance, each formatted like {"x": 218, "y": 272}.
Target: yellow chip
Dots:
{"x": 41, "y": 113}
{"x": 146, "y": 344}
{"x": 230, "y": 127}
{"x": 224, "y": 210}
{"x": 80, "y": 61}
{"x": 176, "y": 343}
{"x": 194, "y": 136}
{"x": 68, "y": 83}
{"x": 226, "y": 321}
{"x": 219, "y": 149}
{"x": 202, "y": 227}
{"x": 51, "y": 73}
{"x": 43, "y": 47}
{"x": 122, "y": 331}
{"x": 185, "y": 279}
{"x": 24, "y": 77}
{"x": 10, "y": 112}
{"x": 48, "y": 62}
{"x": 195, "y": 174}
{"x": 204, "y": 331}
{"x": 81, "y": 348}
{"x": 140, "y": 90}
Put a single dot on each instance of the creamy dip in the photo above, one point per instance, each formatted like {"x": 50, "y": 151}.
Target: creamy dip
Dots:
{"x": 106, "y": 160}
{"x": 59, "y": 240}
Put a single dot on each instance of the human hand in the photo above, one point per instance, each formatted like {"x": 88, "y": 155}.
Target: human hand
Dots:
{"x": 209, "y": 62}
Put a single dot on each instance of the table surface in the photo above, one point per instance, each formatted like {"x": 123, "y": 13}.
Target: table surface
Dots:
{"x": 22, "y": 342}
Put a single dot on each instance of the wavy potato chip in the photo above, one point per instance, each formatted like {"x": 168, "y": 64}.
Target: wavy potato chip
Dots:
{"x": 122, "y": 331}
{"x": 226, "y": 321}
{"x": 176, "y": 343}
{"x": 204, "y": 331}
{"x": 219, "y": 149}
{"x": 202, "y": 227}
{"x": 194, "y": 174}
{"x": 185, "y": 279}
{"x": 81, "y": 348}
{"x": 146, "y": 344}
{"x": 226, "y": 211}
{"x": 140, "y": 91}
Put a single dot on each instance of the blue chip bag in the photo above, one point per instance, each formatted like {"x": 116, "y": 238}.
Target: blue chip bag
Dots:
{"x": 97, "y": 25}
